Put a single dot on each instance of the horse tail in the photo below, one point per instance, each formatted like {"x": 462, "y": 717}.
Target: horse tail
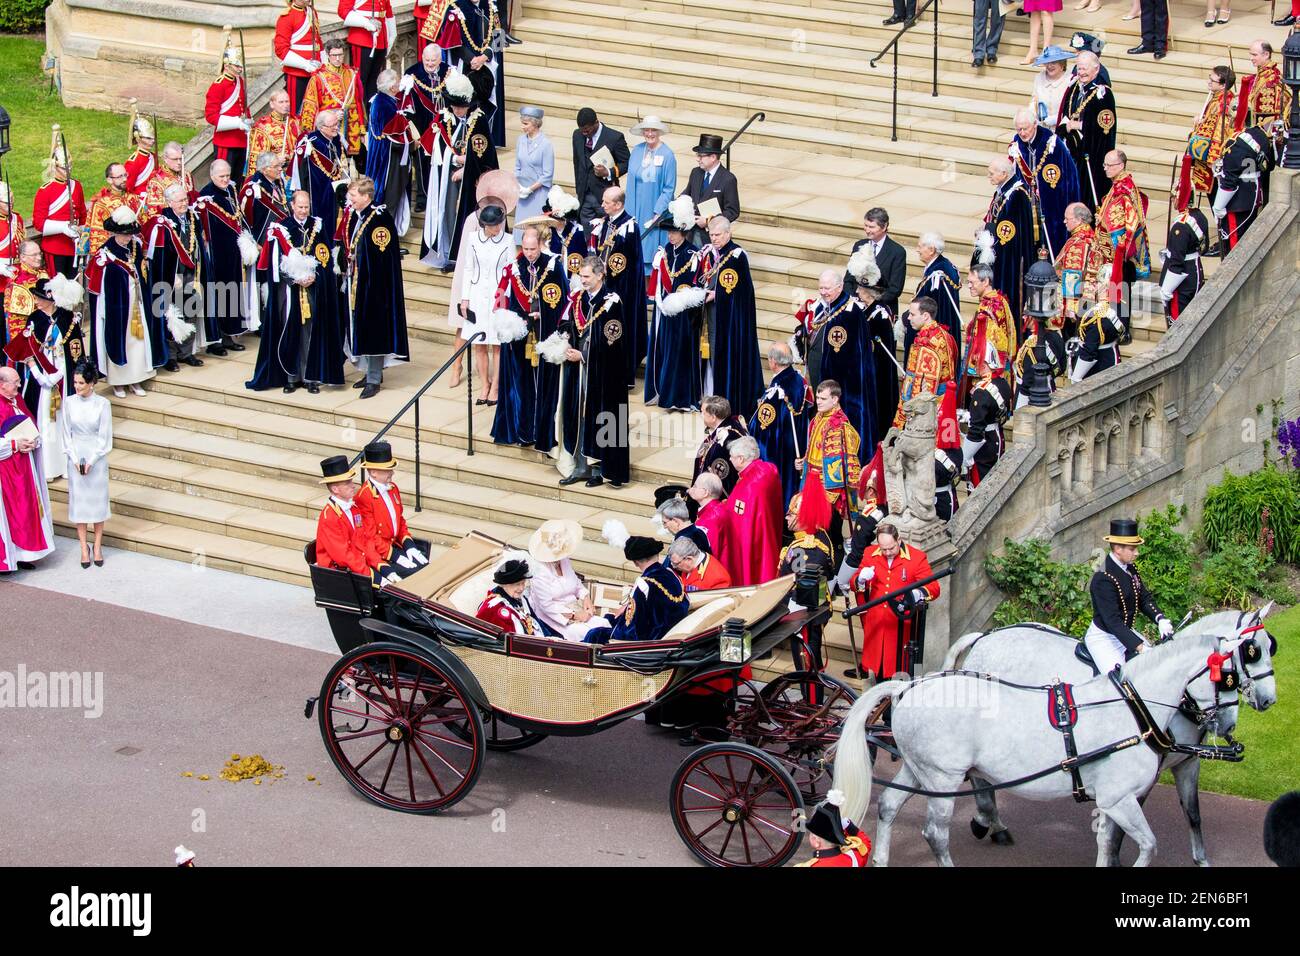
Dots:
{"x": 959, "y": 647}
{"x": 852, "y": 776}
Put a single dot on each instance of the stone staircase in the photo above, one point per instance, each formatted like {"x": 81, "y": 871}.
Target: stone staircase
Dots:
{"x": 206, "y": 471}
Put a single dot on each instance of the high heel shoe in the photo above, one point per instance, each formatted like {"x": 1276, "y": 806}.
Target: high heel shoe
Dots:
{"x": 99, "y": 561}
{"x": 85, "y": 564}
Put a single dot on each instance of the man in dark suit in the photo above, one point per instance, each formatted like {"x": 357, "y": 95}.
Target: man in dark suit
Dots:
{"x": 711, "y": 180}
{"x": 890, "y": 257}
{"x": 590, "y": 181}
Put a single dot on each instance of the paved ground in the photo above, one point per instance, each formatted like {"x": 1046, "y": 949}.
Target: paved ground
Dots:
{"x": 185, "y": 696}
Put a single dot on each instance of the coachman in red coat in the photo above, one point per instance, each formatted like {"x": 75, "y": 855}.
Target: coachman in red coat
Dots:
{"x": 380, "y": 504}
{"x": 343, "y": 541}
{"x": 887, "y": 567}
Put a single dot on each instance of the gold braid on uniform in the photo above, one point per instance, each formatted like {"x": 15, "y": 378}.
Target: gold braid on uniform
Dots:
{"x": 676, "y": 600}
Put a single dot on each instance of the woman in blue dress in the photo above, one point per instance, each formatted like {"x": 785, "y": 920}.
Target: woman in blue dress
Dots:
{"x": 651, "y": 184}
{"x": 534, "y": 166}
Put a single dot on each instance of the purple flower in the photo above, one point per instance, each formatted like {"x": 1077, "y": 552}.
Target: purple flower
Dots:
{"x": 1288, "y": 441}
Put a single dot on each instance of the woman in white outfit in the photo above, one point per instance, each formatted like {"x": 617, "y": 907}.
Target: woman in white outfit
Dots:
{"x": 86, "y": 425}
{"x": 558, "y": 596}
{"x": 490, "y": 250}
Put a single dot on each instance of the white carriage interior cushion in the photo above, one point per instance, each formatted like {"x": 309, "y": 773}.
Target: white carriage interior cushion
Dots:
{"x": 469, "y": 594}
{"x": 702, "y": 618}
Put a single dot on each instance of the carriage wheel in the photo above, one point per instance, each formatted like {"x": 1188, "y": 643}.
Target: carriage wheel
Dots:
{"x": 408, "y": 757}
{"x": 806, "y": 755}
{"x": 504, "y": 737}
{"x": 734, "y": 805}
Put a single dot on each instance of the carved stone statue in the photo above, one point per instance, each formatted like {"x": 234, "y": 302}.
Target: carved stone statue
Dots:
{"x": 909, "y": 472}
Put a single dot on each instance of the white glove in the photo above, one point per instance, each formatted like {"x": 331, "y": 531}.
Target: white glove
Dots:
{"x": 919, "y": 595}
{"x": 794, "y": 607}
{"x": 963, "y": 416}
{"x": 404, "y": 562}
{"x": 414, "y": 554}
{"x": 372, "y": 25}
{"x": 247, "y": 125}
{"x": 865, "y": 575}
{"x": 392, "y": 577}
{"x": 71, "y": 231}
{"x": 524, "y": 192}
{"x": 6, "y": 270}
{"x": 407, "y": 81}
{"x": 845, "y": 578}
{"x": 1221, "y": 200}
{"x": 1165, "y": 626}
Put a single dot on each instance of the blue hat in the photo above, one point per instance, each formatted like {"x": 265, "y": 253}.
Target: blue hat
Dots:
{"x": 1052, "y": 54}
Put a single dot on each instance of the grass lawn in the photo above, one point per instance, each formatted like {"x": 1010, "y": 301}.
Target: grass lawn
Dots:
{"x": 94, "y": 138}
{"x": 1272, "y": 739}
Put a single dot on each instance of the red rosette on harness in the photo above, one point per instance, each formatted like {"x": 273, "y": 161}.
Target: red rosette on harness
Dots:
{"x": 1216, "y": 662}
{"x": 814, "y": 506}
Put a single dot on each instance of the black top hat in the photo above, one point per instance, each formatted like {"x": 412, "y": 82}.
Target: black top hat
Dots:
{"x": 492, "y": 215}
{"x": 512, "y": 572}
{"x": 336, "y": 468}
{"x": 639, "y": 548}
{"x": 378, "y": 454}
{"x": 825, "y": 822}
{"x": 669, "y": 492}
{"x": 709, "y": 143}
{"x": 1123, "y": 531}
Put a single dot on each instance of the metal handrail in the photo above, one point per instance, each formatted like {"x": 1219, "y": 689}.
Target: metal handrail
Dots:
{"x": 893, "y": 45}
{"x": 761, "y": 117}
{"x": 415, "y": 400}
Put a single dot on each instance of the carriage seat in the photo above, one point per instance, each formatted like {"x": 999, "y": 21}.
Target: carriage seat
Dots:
{"x": 469, "y": 594}
{"x": 702, "y": 618}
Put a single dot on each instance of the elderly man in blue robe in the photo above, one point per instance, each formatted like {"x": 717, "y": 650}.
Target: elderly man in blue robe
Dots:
{"x": 780, "y": 423}
{"x": 836, "y": 342}
{"x": 1012, "y": 229}
{"x": 941, "y": 282}
{"x": 651, "y": 182}
{"x": 391, "y": 143}
{"x": 1048, "y": 171}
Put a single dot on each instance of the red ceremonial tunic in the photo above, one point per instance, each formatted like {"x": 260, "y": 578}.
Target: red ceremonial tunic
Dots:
{"x": 854, "y": 854}
{"x": 343, "y": 541}
{"x": 381, "y": 10}
{"x": 706, "y": 576}
{"x": 497, "y": 609}
{"x": 297, "y": 31}
{"x": 880, "y": 624}
{"x": 55, "y": 202}
{"x": 226, "y": 97}
{"x": 387, "y": 527}
{"x": 751, "y": 545}
{"x": 139, "y": 170}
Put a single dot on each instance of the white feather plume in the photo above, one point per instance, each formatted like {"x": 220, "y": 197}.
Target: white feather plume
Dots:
{"x": 124, "y": 216}
{"x": 247, "y": 248}
{"x": 681, "y": 212}
{"x": 180, "y": 329}
{"x": 508, "y": 326}
{"x": 512, "y": 554}
{"x": 615, "y": 532}
{"x": 658, "y": 521}
{"x": 575, "y": 283}
{"x": 863, "y": 267}
{"x": 561, "y": 203}
{"x": 458, "y": 86}
{"x": 835, "y": 798}
{"x": 67, "y": 292}
{"x": 553, "y": 348}
{"x": 984, "y": 254}
{"x": 687, "y": 297}
{"x": 297, "y": 265}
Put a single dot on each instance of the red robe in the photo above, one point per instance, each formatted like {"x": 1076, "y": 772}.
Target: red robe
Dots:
{"x": 26, "y": 530}
{"x": 714, "y": 519}
{"x": 880, "y": 624}
{"x": 751, "y": 546}
{"x": 706, "y": 576}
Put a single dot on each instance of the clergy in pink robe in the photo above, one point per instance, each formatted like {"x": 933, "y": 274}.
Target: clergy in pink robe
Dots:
{"x": 751, "y": 550}
{"x": 26, "y": 529}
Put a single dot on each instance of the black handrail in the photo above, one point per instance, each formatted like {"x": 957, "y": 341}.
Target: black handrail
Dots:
{"x": 726, "y": 150}
{"x": 893, "y": 45}
{"x": 415, "y": 400}
{"x": 863, "y": 608}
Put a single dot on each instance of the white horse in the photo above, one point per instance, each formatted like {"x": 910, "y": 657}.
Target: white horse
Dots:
{"x": 948, "y": 725}
{"x": 1033, "y": 654}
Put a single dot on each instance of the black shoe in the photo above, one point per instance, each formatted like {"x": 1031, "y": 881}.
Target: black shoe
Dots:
{"x": 99, "y": 562}
{"x": 359, "y": 383}
{"x": 193, "y": 362}
{"x": 576, "y": 477}
{"x": 891, "y": 21}
{"x": 1286, "y": 21}
{"x": 172, "y": 366}
{"x": 617, "y": 484}
{"x": 313, "y": 388}
{"x": 216, "y": 350}
{"x": 370, "y": 391}
{"x": 511, "y": 38}
{"x": 977, "y": 62}
{"x": 857, "y": 673}
{"x": 85, "y": 564}
{"x": 1020, "y": 12}
{"x": 595, "y": 480}
{"x": 448, "y": 268}
{"x": 26, "y": 566}
{"x": 1139, "y": 50}
{"x": 909, "y": 23}
{"x": 1161, "y": 54}
{"x": 993, "y": 58}
{"x": 235, "y": 347}
{"x": 291, "y": 388}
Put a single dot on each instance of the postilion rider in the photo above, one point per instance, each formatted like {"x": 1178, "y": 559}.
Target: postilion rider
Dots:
{"x": 1117, "y": 594}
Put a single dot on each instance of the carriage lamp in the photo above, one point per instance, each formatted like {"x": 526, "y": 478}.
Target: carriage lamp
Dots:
{"x": 734, "y": 645}
{"x": 1291, "y": 76}
{"x": 810, "y": 589}
{"x": 4, "y": 132}
{"x": 1042, "y": 288}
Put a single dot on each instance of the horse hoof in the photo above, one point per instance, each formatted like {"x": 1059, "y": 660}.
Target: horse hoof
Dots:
{"x": 1003, "y": 838}
{"x": 979, "y": 829}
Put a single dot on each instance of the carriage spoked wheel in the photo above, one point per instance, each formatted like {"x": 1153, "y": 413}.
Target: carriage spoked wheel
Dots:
{"x": 407, "y": 757}
{"x": 501, "y": 736}
{"x": 734, "y": 805}
{"x": 806, "y": 710}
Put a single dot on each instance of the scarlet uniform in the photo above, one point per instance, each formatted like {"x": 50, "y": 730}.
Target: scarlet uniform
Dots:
{"x": 18, "y": 301}
{"x": 1264, "y": 97}
{"x": 225, "y": 106}
{"x": 58, "y": 205}
{"x": 931, "y": 365}
{"x": 139, "y": 170}
{"x": 1120, "y": 240}
{"x": 509, "y": 614}
{"x": 381, "y": 506}
{"x": 1077, "y": 264}
{"x": 438, "y": 22}
{"x": 353, "y": 13}
{"x": 880, "y": 628}
{"x": 102, "y": 205}
{"x": 12, "y": 231}
{"x": 272, "y": 133}
{"x": 854, "y": 854}
{"x": 706, "y": 575}
{"x": 297, "y": 44}
{"x": 342, "y": 539}
{"x": 162, "y": 179}
{"x": 336, "y": 89}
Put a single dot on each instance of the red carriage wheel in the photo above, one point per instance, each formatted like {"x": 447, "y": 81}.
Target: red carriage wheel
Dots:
{"x": 406, "y": 756}
{"x": 734, "y": 805}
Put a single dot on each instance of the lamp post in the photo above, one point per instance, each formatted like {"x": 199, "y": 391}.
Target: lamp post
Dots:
{"x": 1042, "y": 301}
{"x": 1291, "y": 77}
{"x": 4, "y": 134}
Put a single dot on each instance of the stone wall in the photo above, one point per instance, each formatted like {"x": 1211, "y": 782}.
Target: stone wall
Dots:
{"x": 1158, "y": 428}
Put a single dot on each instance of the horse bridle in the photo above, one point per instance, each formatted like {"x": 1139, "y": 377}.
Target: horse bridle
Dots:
{"x": 1247, "y": 651}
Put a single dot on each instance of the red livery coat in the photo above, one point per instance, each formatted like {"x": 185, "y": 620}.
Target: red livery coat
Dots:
{"x": 56, "y": 202}
{"x": 381, "y": 10}
{"x": 880, "y": 624}
{"x": 297, "y": 31}
{"x": 382, "y": 528}
{"x": 706, "y": 576}
{"x": 343, "y": 541}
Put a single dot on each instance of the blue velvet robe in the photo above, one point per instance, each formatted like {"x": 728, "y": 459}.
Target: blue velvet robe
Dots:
{"x": 1011, "y": 220}
{"x": 780, "y": 426}
{"x": 570, "y": 243}
{"x": 1046, "y": 166}
{"x": 375, "y": 309}
{"x": 618, "y": 243}
{"x": 845, "y": 354}
{"x": 121, "y": 272}
{"x": 942, "y": 283}
{"x": 319, "y": 162}
{"x": 528, "y": 388}
{"x": 658, "y": 603}
{"x": 170, "y": 279}
{"x": 225, "y": 282}
{"x": 672, "y": 367}
{"x": 594, "y": 392}
{"x": 733, "y": 369}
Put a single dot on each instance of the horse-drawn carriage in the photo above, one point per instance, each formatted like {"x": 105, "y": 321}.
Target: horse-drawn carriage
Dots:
{"x": 424, "y": 689}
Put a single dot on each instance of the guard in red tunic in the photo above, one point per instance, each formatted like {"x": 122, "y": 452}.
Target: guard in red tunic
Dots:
{"x": 226, "y": 110}
{"x": 342, "y": 539}
{"x": 505, "y": 605}
{"x": 380, "y": 503}
{"x": 58, "y": 212}
{"x": 371, "y": 32}
{"x": 830, "y": 839}
{"x": 12, "y": 230}
{"x": 144, "y": 161}
{"x": 890, "y": 566}
{"x": 297, "y": 44}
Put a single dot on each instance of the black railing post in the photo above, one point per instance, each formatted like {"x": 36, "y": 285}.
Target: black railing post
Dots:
{"x": 934, "y": 89}
{"x": 893, "y": 134}
{"x": 469, "y": 401}
{"x": 417, "y": 455}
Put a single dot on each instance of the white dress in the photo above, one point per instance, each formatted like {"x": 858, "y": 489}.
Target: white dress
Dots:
{"x": 47, "y": 415}
{"x": 87, "y": 427}
{"x": 553, "y": 593}
{"x": 486, "y": 257}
